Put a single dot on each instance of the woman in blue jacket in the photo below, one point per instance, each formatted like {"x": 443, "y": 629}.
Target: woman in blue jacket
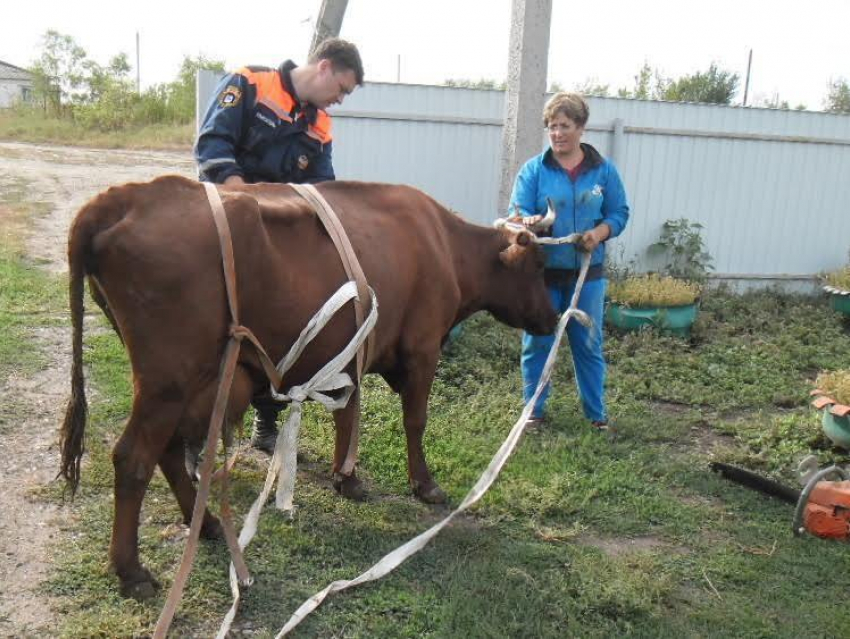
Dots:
{"x": 589, "y": 198}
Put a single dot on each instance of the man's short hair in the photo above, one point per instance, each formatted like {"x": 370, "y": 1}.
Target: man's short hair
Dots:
{"x": 342, "y": 54}
{"x": 571, "y": 105}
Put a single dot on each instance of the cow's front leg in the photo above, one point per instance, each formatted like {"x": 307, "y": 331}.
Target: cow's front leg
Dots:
{"x": 414, "y": 401}
{"x": 347, "y": 423}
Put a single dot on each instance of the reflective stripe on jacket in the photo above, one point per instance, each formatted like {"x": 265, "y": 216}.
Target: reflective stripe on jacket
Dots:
{"x": 255, "y": 127}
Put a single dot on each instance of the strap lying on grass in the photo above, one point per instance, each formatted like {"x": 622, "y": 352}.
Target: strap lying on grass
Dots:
{"x": 395, "y": 558}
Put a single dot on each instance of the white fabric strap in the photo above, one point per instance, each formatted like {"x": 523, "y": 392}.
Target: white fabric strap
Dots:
{"x": 330, "y": 378}
{"x": 392, "y": 560}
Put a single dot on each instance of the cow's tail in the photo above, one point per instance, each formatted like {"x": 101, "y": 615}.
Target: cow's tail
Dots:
{"x": 97, "y": 215}
{"x": 71, "y": 441}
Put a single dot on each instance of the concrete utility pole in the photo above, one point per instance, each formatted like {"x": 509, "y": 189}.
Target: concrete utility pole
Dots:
{"x": 329, "y": 22}
{"x": 529, "y": 52}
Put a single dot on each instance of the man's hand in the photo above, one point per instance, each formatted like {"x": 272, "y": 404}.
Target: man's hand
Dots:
{"x": 234, "y": 180}
{"x": 591, "y": 239}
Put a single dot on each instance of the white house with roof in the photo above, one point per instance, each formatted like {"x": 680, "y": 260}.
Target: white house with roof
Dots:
{"x": 15, "y": 84}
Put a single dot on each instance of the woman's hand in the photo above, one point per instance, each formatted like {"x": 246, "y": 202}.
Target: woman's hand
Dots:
{"x": 592, "y": 238}
{"x": 530, "y": 221}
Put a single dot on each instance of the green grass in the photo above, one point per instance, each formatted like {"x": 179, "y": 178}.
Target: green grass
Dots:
{"x": 29, "y": 298}
{"x": 33, "y": 126}
{"x": 529, "y": 560}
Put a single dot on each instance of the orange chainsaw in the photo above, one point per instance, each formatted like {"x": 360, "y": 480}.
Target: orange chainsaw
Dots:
{"x": 822, "y": 506}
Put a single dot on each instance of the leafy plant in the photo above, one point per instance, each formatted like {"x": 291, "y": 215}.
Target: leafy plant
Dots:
{"x": 682, "y": 245}
{"x": 653, "y": 290}
{"x": 835, "y": 385}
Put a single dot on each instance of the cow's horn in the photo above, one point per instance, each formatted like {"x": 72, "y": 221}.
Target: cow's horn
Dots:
{"x": 549, "y": 218}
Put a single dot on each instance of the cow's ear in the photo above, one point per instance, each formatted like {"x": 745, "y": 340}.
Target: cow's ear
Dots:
{"x": 511, "y": 256}
{"x": 523, "y": 238}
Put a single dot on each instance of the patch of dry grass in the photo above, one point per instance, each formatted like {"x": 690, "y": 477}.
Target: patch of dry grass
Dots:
{"x": 653, "y": 290}
{"x": 835, "y": 384}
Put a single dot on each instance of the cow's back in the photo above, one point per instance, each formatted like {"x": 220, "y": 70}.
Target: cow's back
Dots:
{"x": 160, "y": 266}
{"x": 400, "y": 236}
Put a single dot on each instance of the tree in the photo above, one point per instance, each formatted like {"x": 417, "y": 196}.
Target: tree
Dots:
{"x": 113, "y": 76}
{"x": 60, "y": 72}
{"x": 591, "y": 86}
{"x": 774, "y": 102}
{"x": 110, "y": 102}
{"x": 838, "y": 98}
{"x": 649, "y": 85}
{"x": 714, "y": 86}
{"x": 182, "y": 91}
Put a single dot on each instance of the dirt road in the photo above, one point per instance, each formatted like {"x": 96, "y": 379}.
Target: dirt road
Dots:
{"x": 63, "y": 178}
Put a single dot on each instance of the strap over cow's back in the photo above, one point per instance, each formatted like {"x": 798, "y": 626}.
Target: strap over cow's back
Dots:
{"x": 349, "y": 261}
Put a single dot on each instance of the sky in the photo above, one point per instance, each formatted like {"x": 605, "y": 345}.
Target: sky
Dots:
{"x": 797, "y": 47}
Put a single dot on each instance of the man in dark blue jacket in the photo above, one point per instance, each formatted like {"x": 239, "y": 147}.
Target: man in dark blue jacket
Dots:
{"x": 270, "y": 125}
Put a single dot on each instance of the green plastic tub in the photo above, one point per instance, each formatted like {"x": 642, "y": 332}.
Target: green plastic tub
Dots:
{"x": 836, "y": 428}
{"x": 840, "y": 303}
{"x": 669, "y": 319}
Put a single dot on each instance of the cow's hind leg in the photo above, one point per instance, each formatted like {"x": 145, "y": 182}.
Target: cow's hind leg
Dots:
{"x": 173, "y": 467}
{"x": 415, "y": 390}
{"x": 346, "y": 421}
{"x": 136, "y": 454}
{"x": 196, "y": 421}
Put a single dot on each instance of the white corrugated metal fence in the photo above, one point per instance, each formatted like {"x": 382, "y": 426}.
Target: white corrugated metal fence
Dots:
{"x": 771, "y": 187}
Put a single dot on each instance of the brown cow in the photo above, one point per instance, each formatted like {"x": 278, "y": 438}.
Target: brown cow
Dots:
{"x": 152, "y": 257}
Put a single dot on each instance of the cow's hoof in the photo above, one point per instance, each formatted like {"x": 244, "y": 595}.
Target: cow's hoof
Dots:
{"x": 211, "y": 529}
{"x": 141, "y": 587}
{"x": 349, "y": 487}
{"x": 430, "y": 493}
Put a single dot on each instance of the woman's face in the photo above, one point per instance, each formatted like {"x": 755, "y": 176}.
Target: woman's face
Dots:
{"x": 564, "y": 134}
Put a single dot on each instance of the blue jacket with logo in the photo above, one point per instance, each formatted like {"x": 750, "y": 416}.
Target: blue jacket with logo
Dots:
{"x": 256, "y": 128}
{"x": 596, "y": 196}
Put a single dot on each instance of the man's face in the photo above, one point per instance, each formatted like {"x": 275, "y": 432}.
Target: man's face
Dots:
{"x": 332, "y": 86}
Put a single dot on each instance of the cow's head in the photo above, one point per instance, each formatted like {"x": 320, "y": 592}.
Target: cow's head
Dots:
{"x": 518, "y": 295}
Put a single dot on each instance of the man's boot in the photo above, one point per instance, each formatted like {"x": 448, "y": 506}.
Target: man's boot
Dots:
{"x": 265, "y": 429}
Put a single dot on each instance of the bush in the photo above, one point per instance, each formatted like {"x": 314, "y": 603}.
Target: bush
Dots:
{"x": 653, "y": 290}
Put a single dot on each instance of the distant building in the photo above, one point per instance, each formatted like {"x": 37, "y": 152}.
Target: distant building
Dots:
{"x": 15, "y": 85}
